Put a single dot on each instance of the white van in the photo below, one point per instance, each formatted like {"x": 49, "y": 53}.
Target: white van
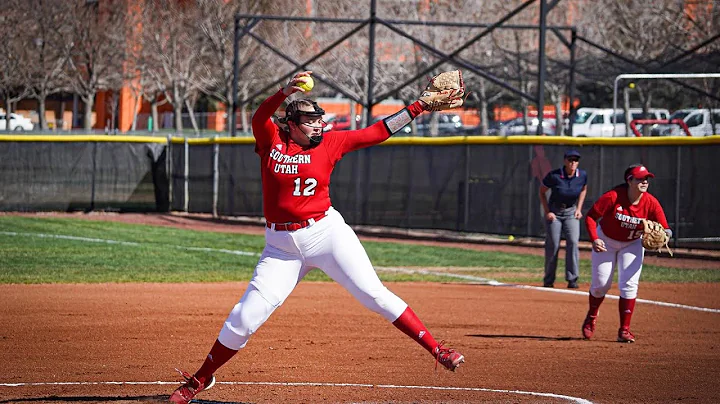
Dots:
{"x": 697, "y": 120}
{"x": 598, "y": 122}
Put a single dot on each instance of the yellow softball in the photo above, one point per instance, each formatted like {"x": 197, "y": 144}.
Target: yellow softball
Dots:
{"x": 308, "y": 84}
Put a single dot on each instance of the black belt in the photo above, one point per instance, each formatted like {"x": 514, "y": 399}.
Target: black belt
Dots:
{"x": 561, "y": 206}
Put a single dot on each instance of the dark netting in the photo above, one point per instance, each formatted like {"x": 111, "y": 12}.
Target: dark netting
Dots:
{"x": 401, "y": 186}
{"x": 698, "y": 210}
{"x": 481, "y": 188}
{"x": 199, "y": 178}
{"x": 418, "y": 186}
{"x": 177, "y": 179}
{"x": 345, "y": 190}
{"x": 82, "y": 176}
{"x": 500, "y": 192}
{"x": 239, "y": 169}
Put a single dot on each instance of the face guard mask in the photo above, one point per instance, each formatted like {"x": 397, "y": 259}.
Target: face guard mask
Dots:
{"x": 293, "y": 113}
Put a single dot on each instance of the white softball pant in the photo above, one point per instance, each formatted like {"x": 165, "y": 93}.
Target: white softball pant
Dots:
{"x": 627, "y": 257}
{"x": 330, "y": 245}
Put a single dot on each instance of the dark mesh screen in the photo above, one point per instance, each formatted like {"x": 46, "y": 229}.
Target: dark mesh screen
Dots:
{"x": 82, "y": 176}
{"x": 481, "y": 188}
{"x": 426, "y": 186}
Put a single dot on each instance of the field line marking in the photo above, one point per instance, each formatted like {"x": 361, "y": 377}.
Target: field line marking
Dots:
{"x": 492, "y": 282}
{"x": 316, "y": 384}
{"x": 486, "y": 281}
{"x": 127, "y": 243}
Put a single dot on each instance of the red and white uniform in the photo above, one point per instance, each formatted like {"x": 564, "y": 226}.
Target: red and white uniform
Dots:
{"x": 295, "y": 191}
{"x": 620, "y": 228}
{"x": 296, "y": 179}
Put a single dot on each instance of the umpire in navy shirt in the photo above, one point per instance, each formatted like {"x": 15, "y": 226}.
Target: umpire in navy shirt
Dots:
{"x": 568, "y": 186}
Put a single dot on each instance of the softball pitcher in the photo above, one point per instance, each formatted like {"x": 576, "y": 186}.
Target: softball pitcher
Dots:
{"x": 617, "y": 244}
{"x": 304, "y": 231}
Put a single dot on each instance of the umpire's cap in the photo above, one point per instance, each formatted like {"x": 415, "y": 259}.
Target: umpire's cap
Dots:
{"x": 572, "y": 153}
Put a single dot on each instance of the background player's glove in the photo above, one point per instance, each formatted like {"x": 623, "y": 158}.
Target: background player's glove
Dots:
{"x": 445, "y": 91}
{"x": 654, "y": 236}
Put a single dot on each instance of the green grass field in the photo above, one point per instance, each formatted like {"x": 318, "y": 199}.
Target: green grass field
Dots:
{"x": 54, "y": 250}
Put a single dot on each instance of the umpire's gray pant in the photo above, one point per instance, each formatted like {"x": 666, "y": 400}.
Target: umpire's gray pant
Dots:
{"x": 564, "y": 223}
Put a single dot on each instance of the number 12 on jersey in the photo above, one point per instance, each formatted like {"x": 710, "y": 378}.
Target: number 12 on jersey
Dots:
{"x": 307, "y": 190}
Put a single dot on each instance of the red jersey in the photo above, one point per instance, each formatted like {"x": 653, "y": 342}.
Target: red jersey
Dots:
{"x": 296, "y": 179}
{"x": 621, "y": 220}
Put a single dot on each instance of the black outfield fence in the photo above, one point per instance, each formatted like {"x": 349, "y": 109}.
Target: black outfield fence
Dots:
{"x": 93, "y": 172}
{"x": 477, "y": 185}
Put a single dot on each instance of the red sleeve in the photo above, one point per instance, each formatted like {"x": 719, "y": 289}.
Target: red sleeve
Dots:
{"x": 591, "y": 225}
{"x": 377, "y": 133}
{"x": 263, "y": 127}
{"x": 605, "y": 202}
{"x": 657, "y": 214}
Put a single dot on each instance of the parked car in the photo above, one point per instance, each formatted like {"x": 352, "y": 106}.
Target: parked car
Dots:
{"x": 699, "y": 123}
{"x": 340, "y": 122}
{"x": 492, "y": 130}
{"x": 517, "y": 127}
{"x": 494, "y": 127}
{"x": 448, "y": 125}
{"x": 598, "y": 122}
{"x": 17, "y": 122}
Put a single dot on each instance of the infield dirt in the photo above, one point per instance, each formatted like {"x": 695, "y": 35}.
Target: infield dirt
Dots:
{"x": 513, "y": 339}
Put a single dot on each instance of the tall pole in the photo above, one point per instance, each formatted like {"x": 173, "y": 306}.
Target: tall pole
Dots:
{"x": 541, "y": 66}
{"x": 186, "y": 176}
{"x": 216, "y": 177}
{"x": 571, "y": 92}
{"x": 678, "y": 176}
{"x": 530, "y": 198}
{"x": 169, "y": 170}
{"x": 371, "y": 64}
{"x": 236, "y": 72}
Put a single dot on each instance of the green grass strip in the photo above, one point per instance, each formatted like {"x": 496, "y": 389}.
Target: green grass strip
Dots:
{"x": 140, "y": 253}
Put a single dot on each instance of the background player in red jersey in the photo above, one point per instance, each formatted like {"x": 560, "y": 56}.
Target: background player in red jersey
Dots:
{"x": 304, "y": 231}
{"x": 617, "y": 242}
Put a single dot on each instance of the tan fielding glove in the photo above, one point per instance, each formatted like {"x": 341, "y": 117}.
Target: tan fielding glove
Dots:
{"x": 654, "y": 236}
{"x": 445, "y": 91}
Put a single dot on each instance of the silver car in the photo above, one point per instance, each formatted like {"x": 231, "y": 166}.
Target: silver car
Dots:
{"x": 517, "y": 127}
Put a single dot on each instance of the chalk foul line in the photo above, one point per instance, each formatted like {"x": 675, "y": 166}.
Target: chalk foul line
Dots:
{"x": 492, "y": 282}
{"x": 470, "y": 278}
{"x": 126, "y": 243}
{"x": 316, "y": 384}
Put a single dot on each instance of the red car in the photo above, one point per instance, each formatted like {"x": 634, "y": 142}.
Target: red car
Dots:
{"x": 340, "y": 122}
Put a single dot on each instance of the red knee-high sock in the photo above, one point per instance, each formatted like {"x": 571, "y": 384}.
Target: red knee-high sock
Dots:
{"x": 218, "y": 356}
{"x": 595, "y": 303}
{"x": 626, "y": 308}
{"x": 410, "y": 324}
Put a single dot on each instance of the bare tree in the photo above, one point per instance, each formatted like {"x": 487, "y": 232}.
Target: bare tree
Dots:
{"x": 13, "y": 83}
{"x": 183, "y": 54}
{"x": 48, "y": 51}
{"x": 648, "y": 34}
{"x": 98, "y": 37}
{"x": 217, "y": 24}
